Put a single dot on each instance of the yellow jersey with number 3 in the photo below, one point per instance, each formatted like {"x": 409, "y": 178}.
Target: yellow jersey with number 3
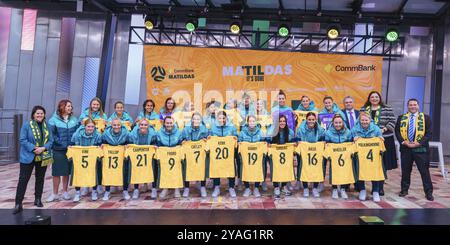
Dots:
{"x": 252, "y": 156}
{"x": 370, "y": 160}
{"x": 170, "y": 173}
{"x": 112, "y": 165}
{"x": 141, "y": 159}
{"x": 84, "y": 159}
{"x": 341, "y": 167}
{"x": 310, "y": 166}
{"x": 221, "y": 154}
{"x": 282, "y": 162}
{"x": 195, "y": 155}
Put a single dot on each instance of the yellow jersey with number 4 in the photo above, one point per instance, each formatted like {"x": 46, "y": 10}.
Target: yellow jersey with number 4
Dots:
{"x": 370, "y": 160}
{"x": 141, "y": 159}
{"x": 112, "y": 165}
{"x": 170, "y": 173}
{"x": 84, "y": 159}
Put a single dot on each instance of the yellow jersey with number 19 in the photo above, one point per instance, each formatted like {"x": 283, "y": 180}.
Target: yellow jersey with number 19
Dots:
{"x": 282, "y": 162}
{"x": 141, "y": 159}
{"x": 370, "y": 161}
{"x": 84, "y": 159}
{"x": 252, "y": 156}
{"x": 341, "y": 167}
{"x": 170, "y": 172}
{"x": 112, "y": 165}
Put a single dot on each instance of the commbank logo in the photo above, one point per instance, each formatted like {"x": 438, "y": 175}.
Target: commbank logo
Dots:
{"x": 158, "y": 73}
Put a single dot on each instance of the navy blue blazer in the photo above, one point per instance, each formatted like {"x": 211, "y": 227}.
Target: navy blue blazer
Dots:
{"x": 347, "y": 121}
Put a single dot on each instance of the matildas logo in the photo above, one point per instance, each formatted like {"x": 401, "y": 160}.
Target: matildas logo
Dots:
{"x": 158, "y": 73}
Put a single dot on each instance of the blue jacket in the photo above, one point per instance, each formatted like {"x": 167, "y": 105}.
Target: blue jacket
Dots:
{"x": 108, "y": 137}
{"x": 125, "y": 117}
{"x": 310, "y": 135}
{"x": 94, "y": 115}
{"x": 335, "y": 109}
{"x": 164, "y": 138}
{"x": 333, "y": 136}
{"x": 82, "y": 139}
{"x": 135, "y": 136}
{"x": 226, "y": 130}
{"x": 312, "y": 107}
{"x": 151, "y": 116}
{"x": 372, "y": 131}
{"x": 244, "y": 113}
{"x": 250, "y": 136}
{"x": 272, "y": 132}
{"x": 62, "y": 131}
{"x": 28, "y": 143}
{"x": 195, "y": 134}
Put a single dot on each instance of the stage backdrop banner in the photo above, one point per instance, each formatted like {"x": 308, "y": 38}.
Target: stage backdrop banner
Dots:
{"x": 200, "y": 75}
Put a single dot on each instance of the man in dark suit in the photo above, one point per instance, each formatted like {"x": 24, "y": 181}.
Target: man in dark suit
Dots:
{"x": 351, "y": 115}
{"x": 413, "y": 137}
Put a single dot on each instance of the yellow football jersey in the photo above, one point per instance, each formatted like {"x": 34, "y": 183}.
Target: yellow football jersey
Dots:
{"x": 235, "y": 118}
{"x": 182, "y": 118}
{"x": 341, "y": 167}
{"x": 221, "y": 152}
{"x": 282, "y": 162}
{"x": 112, "y": 165}
{"x": 141, "y": 159}
{"x": 253, "y": 162}
{"x": 127, "y": 124}
{"x": 195, "y": 155}
{"x": 310, "y": 166}
{"x": 370, "y": 161}
{"x": 170, "y": 173}
{"x": 100, "y": 124}
{"x": 265, "y": 121}
{"x": 301, "y": 116}
{"x": 155, "y": 123}
{"x": 84, "y": 171}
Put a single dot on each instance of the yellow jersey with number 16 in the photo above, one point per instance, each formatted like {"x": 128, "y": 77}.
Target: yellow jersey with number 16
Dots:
{"x": 310, "y": 166}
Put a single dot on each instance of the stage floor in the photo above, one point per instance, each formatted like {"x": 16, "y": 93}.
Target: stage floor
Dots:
{"x": 391, "y": 200}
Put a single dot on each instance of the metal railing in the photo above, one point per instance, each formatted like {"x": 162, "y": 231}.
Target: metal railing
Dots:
{"x": 9, "y": 140}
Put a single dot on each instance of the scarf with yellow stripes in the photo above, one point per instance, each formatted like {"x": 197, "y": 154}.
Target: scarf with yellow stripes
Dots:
{"x": 41, "y": 140}
{"x": 419, "y": 126}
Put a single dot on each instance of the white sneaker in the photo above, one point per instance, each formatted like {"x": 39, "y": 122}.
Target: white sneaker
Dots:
{"x": 316, "y": 193}
{"x": 186, "y": 192}
{"x": 321, "y": 187}
{"x": 203, "y": 192}
{"x": 298, "y": 185}
{"x": 289, "y": 186}
{"x": 306, "y": 192}
{"x": 376, "y": 197}
{"x": 66, "y": 195}
{"x": 287, "y": 191}
{"x": 135, "y": 194}
{"x": 94, "y": 195}
{"x": 247, "y": 192}
{"x": 362, "y": 195}
{"x": 106, "y": 196}
{"x": 334, "y": 194}
{"x": 277, "y": 192}
{"x": 216, "y": 191}
{"x": 154, "y": 194}
{"x": 264, "y": 186}
{"x": 232, "y": 192}
{"x": 256, "y": 192}
{"x": 343, "y": 193}
{"x": 100, "y": 189}
{"x": 77, "y": 197}
{"x": 177, "y": 193}
{"x": 84, "y": 191}
{"x": 52, "y": 198}
{"x": 163, "y": 193}
{"x": 126, "y": 195}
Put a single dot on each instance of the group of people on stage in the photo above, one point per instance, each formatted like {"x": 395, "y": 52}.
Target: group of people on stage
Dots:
{"x": 178, "y": 146}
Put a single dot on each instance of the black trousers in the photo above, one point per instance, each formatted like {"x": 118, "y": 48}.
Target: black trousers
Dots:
{"x": 422, "y": 161}
{"x": 24, "y": 176}
{"x": 202, "y": 183}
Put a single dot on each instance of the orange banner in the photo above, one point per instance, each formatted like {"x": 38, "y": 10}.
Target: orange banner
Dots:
{"x": 200, "y": 75}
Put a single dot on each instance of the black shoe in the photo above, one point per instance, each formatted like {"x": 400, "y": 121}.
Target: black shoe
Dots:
{"x": 403, "y": 193}
{"x": 381, "y": 192}
{"x": 17, "y": 209}
{"x": 430, "y": 197}
{"x": 38, "y": 203}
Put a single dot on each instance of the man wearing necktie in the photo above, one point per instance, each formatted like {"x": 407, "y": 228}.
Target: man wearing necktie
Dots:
{"x": 413, "y": 132}
{"x": 351, "y": 115}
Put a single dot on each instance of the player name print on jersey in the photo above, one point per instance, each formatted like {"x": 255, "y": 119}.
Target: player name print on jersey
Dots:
{"x": 84, "y": 159}
{"x": 281, "y": 158}
{"x": 311, "y": 161}
{"x": 112, "y": 165}
{"x": 341, "y": 163}
{"x": 195, "y": 160}
{"x": 141, "y": 163}
{"x": 221, "y": 153}
{"x": 253, "y": 160}
{"x": 369, "y": 159}
{"x": 170, "y": 174}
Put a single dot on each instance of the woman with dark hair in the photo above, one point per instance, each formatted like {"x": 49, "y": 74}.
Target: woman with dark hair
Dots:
{"x": 281, "y": 109}
{"x": 383, "y": 116}
{"x": 168, "y": 109}
{"x": 119, "y": 112}
{"x": 282, "y": 135}
{"x": 148, "y": 111}
{"x": 36, "y": 141}
{"x": 62, "y": 125}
